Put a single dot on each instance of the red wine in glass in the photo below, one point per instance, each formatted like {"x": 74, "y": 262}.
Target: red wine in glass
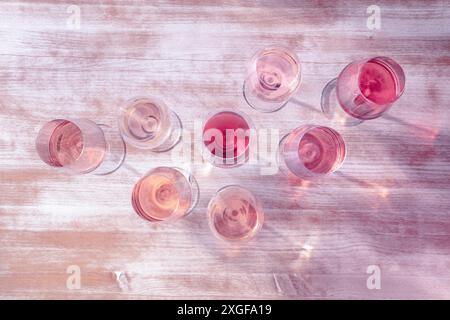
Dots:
{"x": 312, "y": 151}
{"x": 226, "y": 138}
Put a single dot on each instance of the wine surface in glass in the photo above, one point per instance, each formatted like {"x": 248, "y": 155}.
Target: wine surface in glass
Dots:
{"x": 224, "y": 122}
{"x": 234, "y": 217}
{"x": 159, "y": 195}
{"x": 277, "y": 74}
{"x": 66, "y": 144}
{"x": 378, "y": 82}
{"x": 318, "y": 152}
{"x": 143, "y": 122}
{"x": 313, "y": 151}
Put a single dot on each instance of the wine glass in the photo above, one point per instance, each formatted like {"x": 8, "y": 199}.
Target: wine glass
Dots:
{"x": 165, "y": 194}
{"x": 234, "y": 214}
{"x": 273, "y": 77}
{"x": 311, "y": 151}
{"x": 147, "y": 123}
{"x": 364, "y": 90}
{"x": 227, "y": 136}
{"x": 80, "y": 146}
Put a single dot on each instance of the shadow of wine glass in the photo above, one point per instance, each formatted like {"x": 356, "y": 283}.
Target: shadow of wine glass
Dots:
{"x": 305, "y": 105}
{"x": 133, "y": 170}
{"x": 422, "y": 131}
{"x": 420, "y": 148}
{"x": 330, "y": 109}
{"x": 398, "y": 222}
{"x": 283, "y": 245}
{"x": 378, "y": 195}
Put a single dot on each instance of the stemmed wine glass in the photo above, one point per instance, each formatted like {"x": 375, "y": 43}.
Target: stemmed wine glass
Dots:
{"x": 234, "y": 214}
{"x": 147, "y": 123}
{"x": 227, "y": 138}
{"x": 165, "y": 194}
{"x": 364, "y": 90}
{"x": 311, "y": 151}
{"x": 273, "y": 77}
{"x": 80, "y": 146}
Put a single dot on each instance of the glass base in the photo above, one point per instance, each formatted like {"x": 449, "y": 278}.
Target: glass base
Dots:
{"x": 223, "y": 162}
{"x": 333, "y": 110}
{"x": 115, "y": 153}
{"x": 175, "y": 135}
{"x": 258, "y": 104}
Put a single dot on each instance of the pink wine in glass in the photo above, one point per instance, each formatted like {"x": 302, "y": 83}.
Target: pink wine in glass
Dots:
{"x": 226, "y": 138}
{"x": 80, "y": 146}
{"x": 273, "y": 78}
{"x": 235, "y": 214}
{"x": 368, "y": 88}
{"x": 164, "y": 194}
{"x": 66, "y": 145}
{"x": 148, "y": 123}
{"x": 312, "y": 151}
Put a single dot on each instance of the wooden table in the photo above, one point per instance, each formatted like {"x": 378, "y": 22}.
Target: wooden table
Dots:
{"x": 388, "y": 207}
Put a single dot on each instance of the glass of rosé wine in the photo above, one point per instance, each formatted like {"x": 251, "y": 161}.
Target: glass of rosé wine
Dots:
{"x": 165, "y": 194}
{"x": 80, "y": 146}
{"x": 311, "y": 151}
{"x": 364, "y": 90}
{"x": 273, "y": 77}
{"x": 147, "y": 123}
{"x": 235, "y": 214}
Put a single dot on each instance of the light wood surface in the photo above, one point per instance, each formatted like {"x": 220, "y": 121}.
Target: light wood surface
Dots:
{"x": 388, "y": 206}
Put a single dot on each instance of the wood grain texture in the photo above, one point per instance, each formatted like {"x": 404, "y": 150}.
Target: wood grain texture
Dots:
{"x": 389, "y": 205}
